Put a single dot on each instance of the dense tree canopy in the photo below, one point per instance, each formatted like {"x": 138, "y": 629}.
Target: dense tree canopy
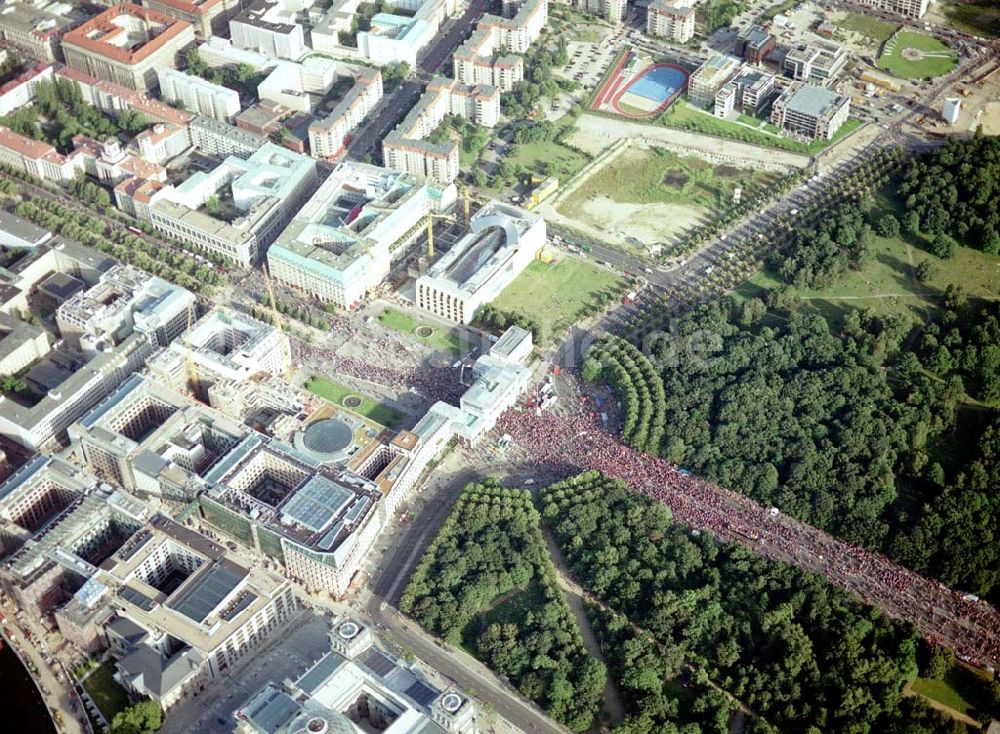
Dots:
{"x": 486, "y": 581}
{"x": 954, "y": 190}
{"x": 796, "y": 650}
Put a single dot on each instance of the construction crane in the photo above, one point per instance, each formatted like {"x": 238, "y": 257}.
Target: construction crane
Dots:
{"x": 447, "y": 218}
{"x": 192, "y": 370}
{"x": 285, "y": 346}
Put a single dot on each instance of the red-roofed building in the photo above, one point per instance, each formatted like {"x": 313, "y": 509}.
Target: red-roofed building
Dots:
{"x": 35, "y": 157}
{"x": 209, "y": 17}
{"x": 20, "y": 90}
{"x": 126, "y": 44}
{"x": 114, "y": 98}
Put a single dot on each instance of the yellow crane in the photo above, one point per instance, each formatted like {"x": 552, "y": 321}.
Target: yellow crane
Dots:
{"x": 277, "y": 322}
{"x": 192, "y": 370}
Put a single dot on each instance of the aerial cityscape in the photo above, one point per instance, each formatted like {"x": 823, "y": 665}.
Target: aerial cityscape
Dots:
{"x": 496, "y": 366}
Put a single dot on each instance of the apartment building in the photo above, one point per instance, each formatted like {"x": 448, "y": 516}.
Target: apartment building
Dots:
{"x": 34, "y": 30}
{"x": 671, "y": 19}
{"x": 20, "y": 90}
{"x": 490, "y": 55}
{"x": 406, "y": 147}
{"x": 327, "y": 136}
{"x": 198, "y": 95}
{"x": 909, "y": 8}
{"x": 269, "y": 27}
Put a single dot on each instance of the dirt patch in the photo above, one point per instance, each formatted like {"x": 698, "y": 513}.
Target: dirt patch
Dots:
{"x": 728, "y": 171}
{"x": 676, "y": 179}
{"x": 990, "y": 121}
{"x": 618, "y": 223}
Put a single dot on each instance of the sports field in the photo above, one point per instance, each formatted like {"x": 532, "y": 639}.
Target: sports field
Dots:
{"x": 651, "y": 90}
{"x": 654, "y": 195}
{"x": 911, "y": 55}
{"x": 557, "y": 294}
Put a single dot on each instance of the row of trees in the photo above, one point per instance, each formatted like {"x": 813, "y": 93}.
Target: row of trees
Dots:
{"x": 486, "y": 581}
{"x": 796, "y": 650}
{"x": 119, "y": 243}
{"x": 638, "y": 387}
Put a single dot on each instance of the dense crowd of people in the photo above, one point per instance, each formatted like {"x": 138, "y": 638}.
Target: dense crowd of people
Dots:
{"x": 574, "y": 439}
{"x": 577, "y": 438}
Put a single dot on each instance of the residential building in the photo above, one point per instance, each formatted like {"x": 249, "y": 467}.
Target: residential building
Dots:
{"x": 489, "y": 56}
{"x": 612, "y": 11}
{"x": 114, "y": 99}
{"x": 394, "y": 39}
{"x": 754, "y": 44}
{"x": 20, "y": 90}
{"x": 126, "y": 44}
{"x": 207, "y": 17}
{"x": 671, "y": 19}
{"x": 220, "y": 139}
{"x": 35, "y": 158}
{"x": 176, "y": 609}
{"x": 269, "y": 27}
{"x": 111, "y": 164}
{"x": 35, "y": 29}
{"x": 502, "y": 241}
{"x": 218, "y": 52}
{"x": 817, "y": 62}
{"x": 357, "y": 687}
{"x": 328, "y": 135}
{"x": 810, "y": 110}
{"x": 406, "y": 148}
{"x": 342, "y": 242}
{"x": 239, "y": 207}
{"x": 198, "y": 95}
{"x": 706, "y": 81}
{"x": 161, "y": 142}
{"x": 909, "y": 8}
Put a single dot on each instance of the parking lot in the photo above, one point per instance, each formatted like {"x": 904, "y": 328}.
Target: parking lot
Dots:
{"x": 287, "y": 653}
{"x": 587, "y": 61}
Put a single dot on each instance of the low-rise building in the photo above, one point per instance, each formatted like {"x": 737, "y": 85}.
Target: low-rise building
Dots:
{"x": 672, "y": 19}
{"x": 358, "y": 686}
{"x": 220, "y": 139}
{"x": 755, "y": 44}
{"x": 343, "y": 241}
{"x": 817, "y": 62}
{"x": 198, "y": 95}
{"x": 706, "y": 81}
{"x": 176, "y": 609}
{"x": 269, "y": 27}
{"x": 909, "y": 8}
{"x": 810, "y": 110}
{"x": 748, "y": 92}
{"x": 126, "y": 44}
{"x": 153, "y": 441}
{"x": 502, "y": 242}
{"x": 490, "y": 55}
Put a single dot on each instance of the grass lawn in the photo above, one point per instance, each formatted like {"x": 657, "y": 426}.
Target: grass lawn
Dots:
{"x": 566, "y": 161}
{"x": 942, "y": 692}
{"x": 981, "y": 17}
{"x": 371, "y": 409}
{"x": 438, "y": 339}
{"x": 507, "y": 609}
{"x": 683, "y": 116}
{"x": 873, "y": 28}
{"x": 658, "y": 175}
{"x": 938, "y": 58}
{"x": 556, "y": 294}
{"x": 887, "y": 284}
{"x": 107, "y": 694}
{"x": 958, "y": 690}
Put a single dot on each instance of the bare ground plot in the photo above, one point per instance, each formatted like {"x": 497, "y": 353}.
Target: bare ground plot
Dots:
{"x": 654, "y": 195}
{"x": 594, "y": 133}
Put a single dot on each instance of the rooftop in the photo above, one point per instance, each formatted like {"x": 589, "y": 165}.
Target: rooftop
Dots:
{"x": 126, "y": 33}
